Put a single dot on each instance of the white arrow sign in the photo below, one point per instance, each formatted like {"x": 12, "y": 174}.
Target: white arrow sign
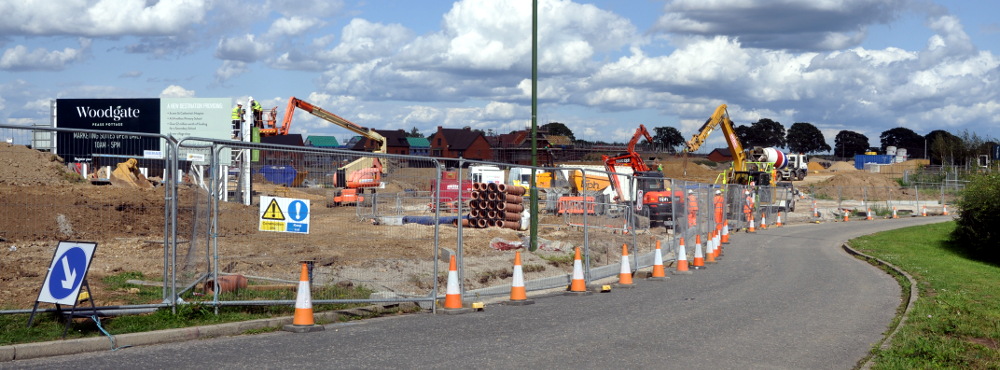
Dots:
{"x": 70, "y": 279}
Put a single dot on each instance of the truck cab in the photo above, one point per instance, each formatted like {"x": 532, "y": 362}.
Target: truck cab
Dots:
{"x": 797, "y": 168}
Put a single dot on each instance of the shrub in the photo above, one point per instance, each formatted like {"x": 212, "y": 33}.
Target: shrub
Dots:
{"x": 976, "y": 232}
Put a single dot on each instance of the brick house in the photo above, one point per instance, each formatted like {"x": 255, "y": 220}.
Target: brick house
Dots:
{"x": 463, "y": 142}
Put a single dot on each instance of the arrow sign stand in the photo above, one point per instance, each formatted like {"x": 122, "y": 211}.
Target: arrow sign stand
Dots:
{"x": 67, "y": 274}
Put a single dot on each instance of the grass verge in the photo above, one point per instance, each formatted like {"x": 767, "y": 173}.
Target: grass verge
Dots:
{"x": 955, "y": 322}
{"x": 50, "y": 326}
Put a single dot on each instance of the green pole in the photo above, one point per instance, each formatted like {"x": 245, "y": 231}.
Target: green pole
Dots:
{"x": 534, "y": 126}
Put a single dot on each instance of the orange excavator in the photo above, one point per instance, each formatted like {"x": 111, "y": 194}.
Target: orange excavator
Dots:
{"x": 354, "y": 177}
{"x": 653, "y": 197}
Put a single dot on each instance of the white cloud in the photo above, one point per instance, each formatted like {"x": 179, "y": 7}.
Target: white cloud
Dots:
{"x": 174, "y": 91}
{"x": 363, "y": 40}
{"x": 96, "y": 18}
{"x": 230, "y": 69}
{"x": 292, "y": 26}
{"x": 19, "y": 58}
{"x": 242, "y": 48}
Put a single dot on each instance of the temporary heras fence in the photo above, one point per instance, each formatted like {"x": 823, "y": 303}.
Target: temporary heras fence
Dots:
{"x": 107, "y": 187}
{"x": 230, "y": 222}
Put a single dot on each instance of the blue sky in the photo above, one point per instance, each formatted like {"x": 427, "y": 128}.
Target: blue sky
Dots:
{"x": 605, "y": 66}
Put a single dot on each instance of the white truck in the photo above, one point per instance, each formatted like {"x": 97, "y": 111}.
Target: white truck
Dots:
{"x": 797, "y": 168}
{"x": 486, "y": 173}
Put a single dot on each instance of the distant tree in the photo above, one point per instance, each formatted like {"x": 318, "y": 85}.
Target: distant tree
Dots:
{"x": 557, "y": 128}
{"x": 943, "y": 146}
{"x": 803, "y": 137}
{"x": 848, "y": 143}
{"x": 668, "y": 137}
{"x": 902, "y": 137}
{"x": 764, "y": 132}
{"x": 414, "y": 133}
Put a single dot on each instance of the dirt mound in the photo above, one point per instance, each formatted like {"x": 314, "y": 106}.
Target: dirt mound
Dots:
{"x": 23, "y": 166}
{"x": 841, "y": 167}
{"x": 856, "y": 185}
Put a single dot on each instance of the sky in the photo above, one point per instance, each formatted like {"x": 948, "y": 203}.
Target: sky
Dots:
{"x": 605, "y": 66}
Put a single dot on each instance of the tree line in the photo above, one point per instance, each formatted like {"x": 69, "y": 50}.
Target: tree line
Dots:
{"x": 940, "y": 146}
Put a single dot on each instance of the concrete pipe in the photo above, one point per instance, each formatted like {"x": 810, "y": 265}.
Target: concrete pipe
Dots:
{"x": 510, "y": 225}
{"x": 513, "y": 208}
{"x": 511, "y": 198}
{"x": 511, "y": 216}
{"x": 515, "y": 190}
{"x": 481, "y": 223}
{"x": 491, "y": 186}
{"x": 491, "y": 195}
{"x": 502, "y": 188}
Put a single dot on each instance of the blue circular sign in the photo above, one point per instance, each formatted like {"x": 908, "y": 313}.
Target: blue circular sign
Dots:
{"x": 298, "y": 210}
{"x": 67, "y": 273}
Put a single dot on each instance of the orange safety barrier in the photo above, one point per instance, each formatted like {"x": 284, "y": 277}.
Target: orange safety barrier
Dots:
{"x": 575, "y": 205}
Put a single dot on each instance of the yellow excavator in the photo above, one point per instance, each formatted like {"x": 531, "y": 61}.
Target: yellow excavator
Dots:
{"x": 756, "y": 165}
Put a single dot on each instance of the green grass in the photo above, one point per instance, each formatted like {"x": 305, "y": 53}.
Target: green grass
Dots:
{"x": 49, "y": 326}
{"x": 955, "y": 322}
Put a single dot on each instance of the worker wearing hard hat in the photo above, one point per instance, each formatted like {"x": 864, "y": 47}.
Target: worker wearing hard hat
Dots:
{"x": 258, "y": 112}
{"x": 237, "y": 116}
{"x": 748, "y": 205}
{"x": 692, "y": 208}
{"x": 719, "y": 210}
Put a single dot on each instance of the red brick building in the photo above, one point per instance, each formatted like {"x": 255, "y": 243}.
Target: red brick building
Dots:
{"x": 463, "y": 142}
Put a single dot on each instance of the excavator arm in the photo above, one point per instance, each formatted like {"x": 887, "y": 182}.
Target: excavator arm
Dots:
{"x": 630, "y": 158}
{"x": 720, "y": 119}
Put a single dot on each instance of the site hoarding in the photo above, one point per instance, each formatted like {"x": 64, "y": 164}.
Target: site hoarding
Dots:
{"x": 132, "y": 115}
{"x": 177, "y": 117}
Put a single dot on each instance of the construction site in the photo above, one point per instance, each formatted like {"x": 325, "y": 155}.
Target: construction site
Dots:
{"x": 242, "y": 210}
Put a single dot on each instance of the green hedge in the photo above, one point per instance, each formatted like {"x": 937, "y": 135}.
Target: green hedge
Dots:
{"x": 979, "y": 219}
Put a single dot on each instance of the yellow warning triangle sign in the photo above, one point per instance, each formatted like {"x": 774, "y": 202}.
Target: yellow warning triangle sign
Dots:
{"x": 273, "y": 212}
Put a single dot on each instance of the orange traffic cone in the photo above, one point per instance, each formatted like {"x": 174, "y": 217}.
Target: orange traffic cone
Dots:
{"x": 577, "y": 285}
{"x": 751, "y": 229}
{"x": 725, "y": 232}
{"x": 453, "y": 295}
{"x": 518, "y": 293}
{"x": 894, "y": 212}
{"x": 845, "y": 215}
{"x": 815, "y": 210}
{"x": 625, "y": 273}
{"x": 778, "y": 222}
{"x": 658, "y": 271}
{"x": 763, "y": 221}
{"x": 699, "y": 258}
{"x": 717, "y": 243}
{"x": 944, "y": 211}
{"x": 682, "y": 261}
{"x": 923, "y": 212}
{"x": 303, "y": 321}
{"x": 868, "y": 214}
{"x": 709, "y": 249}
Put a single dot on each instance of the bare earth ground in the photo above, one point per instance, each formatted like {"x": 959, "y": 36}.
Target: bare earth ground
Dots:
{"x": 43, "y": 203}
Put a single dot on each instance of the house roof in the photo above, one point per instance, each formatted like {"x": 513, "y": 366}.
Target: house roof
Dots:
{"x": 323, "y": 141}
{"x": 459, "y": 138}
{"x": 559, "y": 140}
{"x": 418, "y": 142}
{"x": 394, "y": 138}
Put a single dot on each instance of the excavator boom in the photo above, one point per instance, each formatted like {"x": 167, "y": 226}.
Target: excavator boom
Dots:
{"x": 720, "y": 119}
{"x": 294, "y": 102}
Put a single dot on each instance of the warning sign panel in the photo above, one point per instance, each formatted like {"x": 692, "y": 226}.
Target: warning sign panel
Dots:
{"x": 284, "y": 215}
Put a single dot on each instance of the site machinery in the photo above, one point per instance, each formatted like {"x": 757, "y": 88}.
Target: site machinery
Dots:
{"x": 351, "y": 178}
{"x": 756, "y": 167}
{"x": 653, "y": 198}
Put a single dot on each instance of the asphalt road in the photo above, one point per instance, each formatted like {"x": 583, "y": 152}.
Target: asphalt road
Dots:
{"x": 783, "y": 298}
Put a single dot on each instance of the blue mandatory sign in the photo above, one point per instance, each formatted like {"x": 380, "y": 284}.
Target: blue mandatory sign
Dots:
{"x": 67, "y": 273}
{"x": 298, "y": 210}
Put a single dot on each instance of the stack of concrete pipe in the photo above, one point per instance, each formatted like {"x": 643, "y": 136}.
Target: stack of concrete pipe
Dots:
{"x": 496, "y": 205}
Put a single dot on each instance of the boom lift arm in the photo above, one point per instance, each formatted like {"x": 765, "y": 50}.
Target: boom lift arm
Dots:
{"x": 294, "y": 102}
